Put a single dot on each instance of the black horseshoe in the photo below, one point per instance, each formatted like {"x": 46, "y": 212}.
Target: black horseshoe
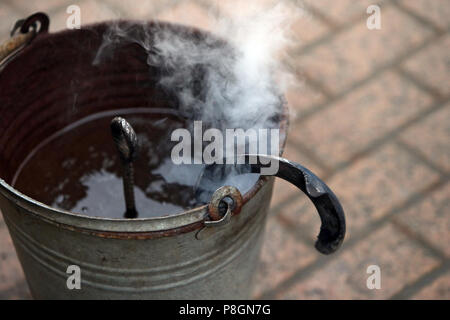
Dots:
{"x": 332, "y": 230}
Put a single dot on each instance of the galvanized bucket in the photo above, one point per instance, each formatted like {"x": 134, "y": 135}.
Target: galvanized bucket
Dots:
{"x": 192, "y": 255}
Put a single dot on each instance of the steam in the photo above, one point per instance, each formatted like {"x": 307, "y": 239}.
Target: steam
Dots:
{"x": 227, "y": 87}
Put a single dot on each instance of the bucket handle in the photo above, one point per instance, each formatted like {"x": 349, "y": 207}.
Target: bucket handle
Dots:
{"x": 332, "y": 230}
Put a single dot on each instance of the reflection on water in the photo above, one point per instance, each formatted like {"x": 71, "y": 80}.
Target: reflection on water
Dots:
{"x": 79, "y": 170}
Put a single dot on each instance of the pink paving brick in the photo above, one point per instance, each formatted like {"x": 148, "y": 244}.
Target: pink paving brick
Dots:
{"x": 30, "y": 7}
{"x": 401, "y": 261}
{"x": 343, "y": 11}
{"x": 437, "y": 11}
{"x": 282, "y": 255}
{"x": 367, "y": 190}
{"x": 189, "y": 13}
{"x": 8, "y": 16}
{"x": 350, "y": 124}
{"x": 304, "y": 28}
{"x": 439, "y": 289}
{"x": 431, "y": 219}
{"x": 307, "y": 28}
{"x": 431, "y": 137}
{"x": 357, "y": 52}
{"x": 302, "y": 98}
{"x": 432, "y": 65}
{"x": 238, "y": 7}
{"x": 140, "y": 9}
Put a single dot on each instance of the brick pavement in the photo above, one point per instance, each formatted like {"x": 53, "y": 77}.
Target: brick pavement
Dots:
{"x": 370, "y": 116}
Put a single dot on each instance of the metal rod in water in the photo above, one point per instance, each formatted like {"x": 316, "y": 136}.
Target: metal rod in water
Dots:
{"x": 126, "y": 142}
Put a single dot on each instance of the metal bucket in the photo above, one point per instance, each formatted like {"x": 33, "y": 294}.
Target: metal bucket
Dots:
{"x": 184, "y": 256}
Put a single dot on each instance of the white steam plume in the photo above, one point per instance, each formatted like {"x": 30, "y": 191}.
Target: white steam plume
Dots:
{"x": 239, "y": 89}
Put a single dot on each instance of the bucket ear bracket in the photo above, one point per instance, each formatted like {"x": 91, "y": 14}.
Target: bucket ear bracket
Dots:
{"x": 23, "y": 32}
{"x": 225, "y": 202}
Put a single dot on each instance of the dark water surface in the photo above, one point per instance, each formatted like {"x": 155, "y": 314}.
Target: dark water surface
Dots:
{"x": 78, "y": 169}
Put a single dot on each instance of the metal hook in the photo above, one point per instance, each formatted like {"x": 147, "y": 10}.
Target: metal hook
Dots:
{"x": 127, "y": 144}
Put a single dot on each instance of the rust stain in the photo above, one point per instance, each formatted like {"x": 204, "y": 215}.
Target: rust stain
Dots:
{"x": 219, "y": 194}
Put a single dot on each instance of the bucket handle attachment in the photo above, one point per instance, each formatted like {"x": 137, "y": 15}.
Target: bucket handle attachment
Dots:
{"x": 23, "y": 32}
{"x": 226, "y": 198}
{"x": 332, "y": 230}
{"x": 225, "y": 202}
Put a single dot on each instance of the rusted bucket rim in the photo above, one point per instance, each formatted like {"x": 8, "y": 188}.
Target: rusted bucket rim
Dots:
{"x": 138, "y": 228}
